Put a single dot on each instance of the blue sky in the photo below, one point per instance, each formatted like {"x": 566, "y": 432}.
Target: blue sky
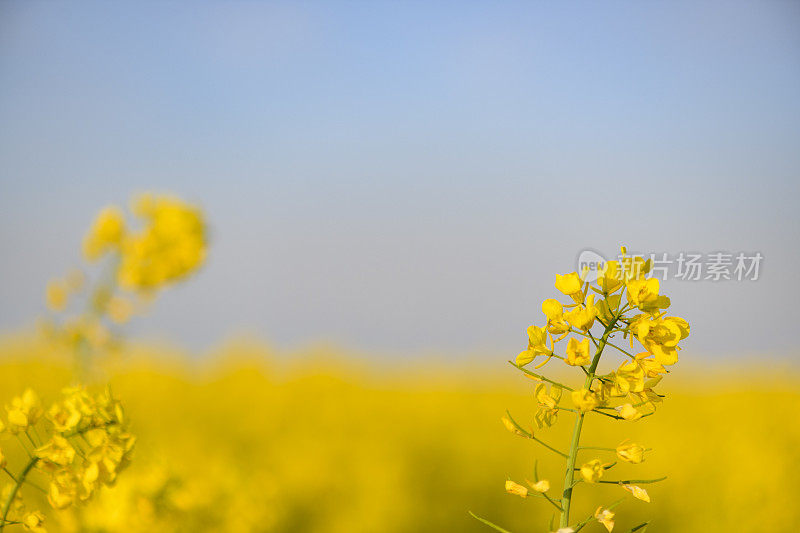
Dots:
{"x": 408, "y": 177}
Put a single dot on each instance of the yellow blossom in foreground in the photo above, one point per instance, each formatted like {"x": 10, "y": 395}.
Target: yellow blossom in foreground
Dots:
{"x": 63, "y": 489}
{"x": 605, "y": 517}
{"x": 64, "y": 415}
{"x": 537, "y": 338}
{"x": 516, "y": 489}
{"x": 638, "y": 492}
{"x": 571, "y": 285}
{"x": 554, "y": 312}
{"x": 584, "y": 399}
{"x": 58, "y": 451}
{"x": 582, "y": 317}
{"x": 578, "y": 352}
{"x": 629, "y": 412}
{"x": 660, "y": 336}
{"x": 629, "y": 377}
{"x": 24, "y": 411}
{"x": 34, "y": 522}
{"x": 643, "y": 293}
{"x": 548, "y": 405}
{"x": 630, "y": 452}
{"x": 592, "y": 471}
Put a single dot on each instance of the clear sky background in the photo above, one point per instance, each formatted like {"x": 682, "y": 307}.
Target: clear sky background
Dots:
{"x": 407, "y": 177}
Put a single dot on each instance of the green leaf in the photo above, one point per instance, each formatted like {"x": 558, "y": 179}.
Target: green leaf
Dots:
{"x": 493, "y": 526}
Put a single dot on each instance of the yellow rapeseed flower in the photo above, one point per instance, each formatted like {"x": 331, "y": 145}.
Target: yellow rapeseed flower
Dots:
{"x": 34, "y": 521}
{"x": 516, "y": 489}
{"x": 540, "y": 486}
{"x": 105, "y": 234}
{"x": 57, "y": 451}
{"x": 592, "y": 471}
{"x": 554, "y": 312}
{"x": 578, "y": 352}
{"x": 582, "y": 317}
{"x": 24, "y": 411}
{"x": 537, "y": 338}
{"x": 65, "y": 415}
{"x": 660, "y": 336}
{"x": 605, "y": 517}
{"x": 629, "y": 412}
{"x": 584, "y": 399}
{"x": 629, "y": 377}
{"x": 571, "y": 285}
{"x": 643, "y": 292}
{"x": 630, "y": 452}
{"x": 638, "y": 492}
{"x": 170, "y": 246}
{"x": 547, "y": 398}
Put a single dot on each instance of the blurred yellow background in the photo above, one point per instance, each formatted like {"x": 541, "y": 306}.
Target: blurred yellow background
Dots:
{"x": 247, "y": 440}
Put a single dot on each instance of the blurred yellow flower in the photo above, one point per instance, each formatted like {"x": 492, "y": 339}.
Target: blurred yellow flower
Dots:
{"x": 24, "y": 411}
{"x": 605, "y": 517}
{"x": 105, "y": 234}
{"x": 64, "y": 415}
{"x": 119, "y": 309}
{"x": 171, "y": 245}
{"x": 57, "y": 295}
{"x": 58, "y": 451}
{"x": 34, "y": 521}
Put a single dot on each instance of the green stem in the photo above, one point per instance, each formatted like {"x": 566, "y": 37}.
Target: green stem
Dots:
{"x": 569, "y": 476}
{"x": 15, "y": 489}
{"x": 539, "y": 376}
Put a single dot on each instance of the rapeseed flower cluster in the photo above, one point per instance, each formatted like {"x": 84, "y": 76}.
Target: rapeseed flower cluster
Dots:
{"x": 77, "y": 445}
{"x": 81, "y": 442}
{"x": 165, "y": 243}
{"x": 623, "y": 302}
